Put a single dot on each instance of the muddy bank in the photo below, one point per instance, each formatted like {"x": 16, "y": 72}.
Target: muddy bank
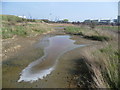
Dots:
{"x": 14, "y": 64}
{"x": 17, "y": 44}
{"x": 28, "y": 50}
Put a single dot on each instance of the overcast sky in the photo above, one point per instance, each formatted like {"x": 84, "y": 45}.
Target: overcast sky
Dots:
{"x": 74, "y": 11}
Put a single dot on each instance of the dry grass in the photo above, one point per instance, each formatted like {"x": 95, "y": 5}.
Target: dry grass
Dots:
{"x": 13, "y": 25}
{"x": 104, "y": 61}
{"x": 102, "y": 58}
{"x": 88, "y": 33}
{"x": 22, "y": 29}
{"x": 108, "y": 62}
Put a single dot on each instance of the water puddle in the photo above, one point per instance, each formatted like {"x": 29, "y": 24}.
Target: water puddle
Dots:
{"x": 54, "y": 47}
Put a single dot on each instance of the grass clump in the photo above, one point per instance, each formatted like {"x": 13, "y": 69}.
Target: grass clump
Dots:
{"x": 98, "y": 38}
{"x": 109, "y": 62}
{"x": 13, "y": 25}
{"x": 11, "y": 18}
{"x": 86, "y": 33}
{"x": 8, "y": 32}
{"x": 14, "y": 19}
{"x": 73, "y": 30}
{"x": 107, "y": 27}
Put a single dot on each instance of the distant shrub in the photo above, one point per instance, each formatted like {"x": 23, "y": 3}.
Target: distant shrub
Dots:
{"x": 45, "y": 20}
{"x": 85, "y": 33}
{"x": 65, "y": 21}
{"x": 98, "y": 38}
{"x": 30, "y": 20}
{"x": 73, "y": 30}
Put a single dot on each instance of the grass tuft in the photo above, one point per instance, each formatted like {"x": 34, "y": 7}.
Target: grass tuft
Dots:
{"x": 13, "y": 25}
{"x": 98, "y": 38}
{"x": 110, "y": 66}
{"x": 86, "y": 33}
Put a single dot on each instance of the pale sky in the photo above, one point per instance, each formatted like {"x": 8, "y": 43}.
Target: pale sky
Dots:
{"x": 74, "y": 11}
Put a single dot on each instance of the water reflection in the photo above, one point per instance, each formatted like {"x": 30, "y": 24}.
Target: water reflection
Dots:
{"x": 54, "y": 47}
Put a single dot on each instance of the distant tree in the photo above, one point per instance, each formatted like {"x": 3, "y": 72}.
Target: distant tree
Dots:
{"x": 45, "y": 20}
{"x": 65, "y": 20}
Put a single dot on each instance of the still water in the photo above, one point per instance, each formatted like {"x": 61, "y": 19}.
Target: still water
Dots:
{"x": 54, "y": 47}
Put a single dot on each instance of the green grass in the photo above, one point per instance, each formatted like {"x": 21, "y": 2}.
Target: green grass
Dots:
{"x": 13, "y": 25}
{"x": 11, "y": 18}
{"x": 86, "y": 33}
{"x": 110, "y": 66}
{"x": 73, "y": 30}
{"x": 8, "y": 32}
{"x": 98, "y": 38}
{"x": 107, "y": 27}
{"x": 107, "y": 58}
{"x": 14, "y": 19}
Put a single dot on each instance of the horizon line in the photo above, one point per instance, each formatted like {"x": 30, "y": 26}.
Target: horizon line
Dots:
{"x": 63, "y": 18}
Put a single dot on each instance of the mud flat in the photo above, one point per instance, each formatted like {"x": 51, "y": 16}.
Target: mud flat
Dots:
{"x": 57, "y": 46}
{"x": 46, "y": 64}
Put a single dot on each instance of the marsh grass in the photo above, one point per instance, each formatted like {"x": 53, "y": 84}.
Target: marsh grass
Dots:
{"x": 111, "y": 67}
{"x": 9, "y": 32}
{"x": 108, "y": 61}
{"x": 86, "y": 33}
{"x": 14, "y": 19}
{"x": 98, "y": 38}
{"x": 13, "y": 25}
{"x": 103, "y": 27}
{"x": 104, "y": 58}
{"x": 74, "y": 30}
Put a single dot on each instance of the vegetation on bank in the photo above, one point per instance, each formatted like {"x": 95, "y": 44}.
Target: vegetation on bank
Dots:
{"x": 86, "y": 33}
{"x": 13, "y": 25}
{"x": 13, "y": 19}
{"x": 107, "y": 27}
{"x": 109, "y": 64}
{"x": 106, "y": 58}
{"x": 111, "y": 72}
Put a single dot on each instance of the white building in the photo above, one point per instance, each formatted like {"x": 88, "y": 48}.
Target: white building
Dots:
{"x": 22, "y": 16}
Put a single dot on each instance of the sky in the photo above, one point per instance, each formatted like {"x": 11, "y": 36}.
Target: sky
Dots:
{"x": 74, "y": 11}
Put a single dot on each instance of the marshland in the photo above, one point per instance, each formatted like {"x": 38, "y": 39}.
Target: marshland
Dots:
{"x": 41, "y": 53}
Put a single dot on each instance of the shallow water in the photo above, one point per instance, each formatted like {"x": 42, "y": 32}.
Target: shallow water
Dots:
{"x": 54, "y": 47}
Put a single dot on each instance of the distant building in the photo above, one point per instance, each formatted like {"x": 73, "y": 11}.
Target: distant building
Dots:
{"x": 104, "y": 22}
{"x": 22, "y": 16}
{"x": 87, "y": 21}
{"x": 95, "y": 21}
{"x": 115, "y": 20}
{"x": 91, "y": 21}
